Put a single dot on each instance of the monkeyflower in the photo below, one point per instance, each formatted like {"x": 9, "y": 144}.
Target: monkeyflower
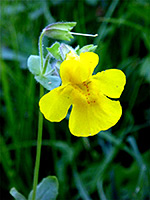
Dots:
{"x": 94, "y": 98}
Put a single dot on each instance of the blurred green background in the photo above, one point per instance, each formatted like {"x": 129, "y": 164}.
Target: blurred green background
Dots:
{"x": 113, "y": 165}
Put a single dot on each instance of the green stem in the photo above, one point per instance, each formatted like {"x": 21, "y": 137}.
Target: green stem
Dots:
{"x": 41, "y": 48}
{"x": 38, "y": 150}
{"x": 46, "y": 63}
{"x": 40, "y": 127}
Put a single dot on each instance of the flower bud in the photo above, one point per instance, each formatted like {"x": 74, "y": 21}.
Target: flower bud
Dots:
{"x": 60, "y": 30}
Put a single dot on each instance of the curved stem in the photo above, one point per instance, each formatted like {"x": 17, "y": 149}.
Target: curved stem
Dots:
{"x": 40, "y": 127}
{"x": 38, "y": 150}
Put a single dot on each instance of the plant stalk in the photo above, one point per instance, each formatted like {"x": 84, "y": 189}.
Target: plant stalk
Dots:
{"x": 41, "y": 49}
{"x": 40, "y": 127}
{"x": 38, "y": 150}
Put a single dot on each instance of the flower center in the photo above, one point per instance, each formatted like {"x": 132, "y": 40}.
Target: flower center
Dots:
{"x": 84, "y": 92}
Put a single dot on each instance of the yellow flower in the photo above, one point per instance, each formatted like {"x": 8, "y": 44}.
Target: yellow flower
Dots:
{"x": 93, "y": 109}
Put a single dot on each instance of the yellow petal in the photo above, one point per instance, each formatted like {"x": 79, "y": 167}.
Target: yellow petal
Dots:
{"x": 110, "y": 82}
{"x": 77, "y": 70}
{"x": 89, "y": 60}
{"x": 69, "y": 69}
{"x": 55, "y": 104}
{"x": 88, "y": 119}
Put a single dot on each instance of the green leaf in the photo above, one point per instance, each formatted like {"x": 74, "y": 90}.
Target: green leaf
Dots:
{"x": 16, "y": 194}
{"x": 33, "y": 64}
{"x": 145, "y": 69}
{"x": 34, "y": 67}
{"x": 87, "y": 48}
{"x": 48, "y": 81}
{"x": 54, "y": 50}
{"x": 47, "y": 189}
{"x": 60, "y": 30}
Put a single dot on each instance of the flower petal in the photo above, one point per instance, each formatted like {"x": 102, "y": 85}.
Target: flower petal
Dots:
{"x": 89, "y": 60}
{"x": 110, "y": 82}
{"x": 55, "y": 104}
{"x": 69, "y": 72}
{"x": 75, "y": 70}
{"x": 88, "y": 119}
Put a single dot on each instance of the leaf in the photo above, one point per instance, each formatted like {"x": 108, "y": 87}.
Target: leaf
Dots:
{"x": 60, "y": 30}
{"x": 48, "y": 81}
{"x": 80, "y": 186}
{"x": 34, "y": 67}
{"x": 145, "y": 69}
{"x": 16, "y": 194}
{"x": 54, "y": 50}
{"x": 33, "y": 64}
{"x": 47, "y": 189}
{"x": 87, "y": 48}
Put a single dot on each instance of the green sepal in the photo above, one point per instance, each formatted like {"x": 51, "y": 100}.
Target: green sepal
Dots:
{"x": 60, "y": 30}
{"x": 47, "y": 189}
{"x": 54, "y": 50}
{"x": 48, "y": 81}
{"x": 77, "y": 48}
{"x": 17, "y": 195}
{"x": 59, "y": 51}
{"x": 87, "y": 48}
{"x": 64, "y": 50}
